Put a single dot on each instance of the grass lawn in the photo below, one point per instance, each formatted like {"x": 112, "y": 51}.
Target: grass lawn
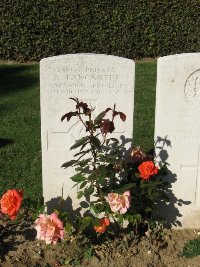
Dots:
{"x": 20, "y": 147}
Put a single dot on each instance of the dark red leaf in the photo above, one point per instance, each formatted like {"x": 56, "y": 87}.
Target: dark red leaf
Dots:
{"x": 115, "y": 113}
{"x": 75, "y": 99}
{"x": 69, "y": 115}
{"x": 85, "y": 108}
{"x": 81, "y": 105}
{"x": 107, "y": 110}
{"x": 107, "y": 126}
{"x": 122, "y": 116}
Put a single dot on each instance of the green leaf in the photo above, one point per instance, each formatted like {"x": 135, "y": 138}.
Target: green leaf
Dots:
{"x": 98, "y": 208}
{"x": 120, "y": 218}
{"x": 86, "y": 221}
{"x": 95, "y": 141}
{"x": 83, "y": 185}
{"x": 78, "y": 178}
{"x": 112, "y": 156}
{"x": 80, "y": 194}
{"x": 95, "y": 222}
{"x": 125, "y": 187}
{"x": 148, "y": 209}
{"x": 84, "y": 162}
{"x": 102, "y": 173}
{"x": 133, "y": 219}
{"x": 88, "y": 191}
{"x": 82, "y": 153}
{"x": 62, "y": 215}
{"x": 149, "y": 190}
{"x": 88, "y": 253}
{"x": 69, "y": 228}
{"x": 99, "y": 117}
{"x": 69, "y": 163}
{"x": 114, "y": 140}
{"x": 84, "y": 145}
{"x": 84, "y": 169}
{"x": 80, "y": 142}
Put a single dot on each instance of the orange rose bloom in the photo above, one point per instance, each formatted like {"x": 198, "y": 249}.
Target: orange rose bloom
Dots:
{"x": 10, "y": 203}
{"x": 147, "y": 169}
{"x": 101, "y": 228}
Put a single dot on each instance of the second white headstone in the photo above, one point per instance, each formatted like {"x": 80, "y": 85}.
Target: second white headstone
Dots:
{"x": 178, "y": 121}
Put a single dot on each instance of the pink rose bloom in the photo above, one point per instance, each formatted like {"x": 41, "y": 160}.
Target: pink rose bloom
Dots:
{"x": 49, "y": 228}
{"x": 119, "y": 202}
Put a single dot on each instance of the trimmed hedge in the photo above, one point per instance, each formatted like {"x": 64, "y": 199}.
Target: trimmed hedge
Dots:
{"x": 34, "y": 29}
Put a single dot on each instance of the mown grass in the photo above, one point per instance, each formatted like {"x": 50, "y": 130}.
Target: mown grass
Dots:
{"x": 20, "y": 152}
{"x": 144, "y": 110}
{"x": 20, "y": 146}
{"x": 191, "y": 249}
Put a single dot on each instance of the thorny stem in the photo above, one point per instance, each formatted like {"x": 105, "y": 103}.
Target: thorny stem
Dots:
{"x": 113, "y": 112}
{"x": 104, "y": 136}
{"x": 94, "y": 154}
{"x": 79, "y": 116}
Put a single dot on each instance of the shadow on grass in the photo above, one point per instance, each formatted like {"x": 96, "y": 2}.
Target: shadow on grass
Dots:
{"x": 14, "y": 78}
{"x": 5, "y": 142}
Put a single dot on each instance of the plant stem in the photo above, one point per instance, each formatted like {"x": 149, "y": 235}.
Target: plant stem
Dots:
{"x": 94, "y": 153}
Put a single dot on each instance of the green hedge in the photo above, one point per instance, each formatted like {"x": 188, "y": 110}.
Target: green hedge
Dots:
{"x": 34, "y": 29}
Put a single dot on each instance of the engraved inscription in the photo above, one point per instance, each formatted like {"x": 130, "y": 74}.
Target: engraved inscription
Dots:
{"x": 192, "y": 89}
{"x": 67, "y": 80}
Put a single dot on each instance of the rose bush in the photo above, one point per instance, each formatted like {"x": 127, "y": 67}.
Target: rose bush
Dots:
{"x": 126, "y": 187}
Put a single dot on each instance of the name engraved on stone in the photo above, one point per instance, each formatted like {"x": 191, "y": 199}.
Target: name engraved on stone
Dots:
{"x": 192, "y": 89}
{"x": 78, "y": 80}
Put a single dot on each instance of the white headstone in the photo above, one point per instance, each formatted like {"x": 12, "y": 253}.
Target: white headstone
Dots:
{"x": 178, "y": 120}
{"x": 99, "y": 80}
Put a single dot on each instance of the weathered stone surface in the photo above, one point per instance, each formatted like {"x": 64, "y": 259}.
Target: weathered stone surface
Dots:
{"x": 99, "y": 80}
{"x": 178, "y": 121}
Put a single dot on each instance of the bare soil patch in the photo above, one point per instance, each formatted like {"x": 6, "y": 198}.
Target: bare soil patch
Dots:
{"x": 19, "y": 248}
